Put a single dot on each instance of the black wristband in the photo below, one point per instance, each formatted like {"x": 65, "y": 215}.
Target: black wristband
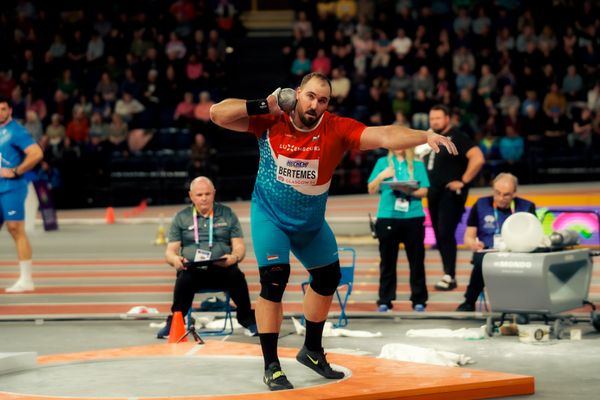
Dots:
{"x": 257, "y": 107}
{"x": 14, "y": 170}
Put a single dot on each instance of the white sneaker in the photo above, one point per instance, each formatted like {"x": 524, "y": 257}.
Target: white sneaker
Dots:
{"x": 446, "y": 283}
{"x": 20, "y": 286}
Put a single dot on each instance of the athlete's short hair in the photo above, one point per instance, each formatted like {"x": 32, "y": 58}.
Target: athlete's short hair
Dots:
{"x": 315, "y": 75}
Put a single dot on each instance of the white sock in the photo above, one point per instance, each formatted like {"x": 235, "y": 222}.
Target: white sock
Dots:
{"x": 25, "y": 267}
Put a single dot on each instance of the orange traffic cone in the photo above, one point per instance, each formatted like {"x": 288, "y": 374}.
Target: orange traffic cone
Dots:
{"x": 110, "y": 215}
{"x": 177, "y": 328}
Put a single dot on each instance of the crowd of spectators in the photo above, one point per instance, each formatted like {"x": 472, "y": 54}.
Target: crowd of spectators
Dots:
{"x": 522, "y": 77}
{"x": 93, "y": 80}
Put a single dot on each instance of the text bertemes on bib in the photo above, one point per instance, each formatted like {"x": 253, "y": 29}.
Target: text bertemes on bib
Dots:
{"x": 297, "y": 172}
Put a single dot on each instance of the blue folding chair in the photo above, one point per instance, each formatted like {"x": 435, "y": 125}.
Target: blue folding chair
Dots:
{"x": 347, "y": 281}
{"x": 224, "y": 331}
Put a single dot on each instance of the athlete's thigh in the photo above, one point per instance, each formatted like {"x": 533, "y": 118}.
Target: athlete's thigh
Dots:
{"x": 271, "y": 244}
{"x": 315, "y": 248}
{"x": 12, "y": 204}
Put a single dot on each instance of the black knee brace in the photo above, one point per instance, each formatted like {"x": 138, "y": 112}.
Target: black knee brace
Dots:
{"x": 273, "y": 280}
{"x": 325, "y": 279}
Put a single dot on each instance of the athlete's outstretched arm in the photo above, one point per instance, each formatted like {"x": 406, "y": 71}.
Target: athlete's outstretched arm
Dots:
{"x": 397, "y": 137}
{"x": 233, "y": 113}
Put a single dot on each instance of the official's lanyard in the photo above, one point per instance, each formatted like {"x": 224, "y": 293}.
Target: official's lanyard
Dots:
{"x": 512, "y": 211}
{"x": 210, "y": 228}
{"x": 392, "y": 164}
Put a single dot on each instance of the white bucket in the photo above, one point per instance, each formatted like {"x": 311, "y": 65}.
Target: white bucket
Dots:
{"x": 534, "y": 333}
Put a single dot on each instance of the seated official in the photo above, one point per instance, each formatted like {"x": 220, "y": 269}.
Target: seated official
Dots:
{"x": 206, "y": 231}
{"x": 484, "y": 226}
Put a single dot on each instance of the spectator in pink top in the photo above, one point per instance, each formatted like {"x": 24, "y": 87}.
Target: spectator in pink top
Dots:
{"x": 184, "y": 112}
{"x": 202, "y": 110}
{"x": 194, "y": 68}
{"x": 321, "y": 63}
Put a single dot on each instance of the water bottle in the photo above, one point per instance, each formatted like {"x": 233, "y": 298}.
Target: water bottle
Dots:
{"x": 564, "y": 238}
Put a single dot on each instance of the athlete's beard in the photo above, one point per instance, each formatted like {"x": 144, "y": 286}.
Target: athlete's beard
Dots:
{"x": 305, "y": 121}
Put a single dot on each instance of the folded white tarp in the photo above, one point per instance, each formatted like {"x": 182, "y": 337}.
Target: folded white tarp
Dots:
{"x": 423, "y": 355}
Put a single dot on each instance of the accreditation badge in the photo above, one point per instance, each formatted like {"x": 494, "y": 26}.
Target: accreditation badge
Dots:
{"x": 202, "y": 255}
{"x": 401, "y": 205}
{"x": 297, "y": 172}
{"x": 499, "y": 242}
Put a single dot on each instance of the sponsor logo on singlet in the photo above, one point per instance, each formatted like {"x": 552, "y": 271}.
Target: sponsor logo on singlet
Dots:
{"x": 294, "y": 148}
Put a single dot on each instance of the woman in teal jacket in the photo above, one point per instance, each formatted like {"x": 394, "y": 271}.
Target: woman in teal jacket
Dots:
{"x": 402, "y": 182}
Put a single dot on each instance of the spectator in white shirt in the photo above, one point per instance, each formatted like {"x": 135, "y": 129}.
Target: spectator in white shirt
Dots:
{"x": 175, "y": 48}
{"x": 593, "y": 98}
{"x": 127, "y": 106}
{"x": 340, "y": 85}
{"x": 401, "y": 44}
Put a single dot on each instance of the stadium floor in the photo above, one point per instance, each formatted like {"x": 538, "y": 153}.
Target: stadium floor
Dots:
{"x": 88, "y": 274}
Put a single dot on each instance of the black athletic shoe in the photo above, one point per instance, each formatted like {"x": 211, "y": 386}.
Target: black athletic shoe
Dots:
{"x": 275, "y": 378}
{"x": 466, "y": 307}
{"x": 316, "y": 361}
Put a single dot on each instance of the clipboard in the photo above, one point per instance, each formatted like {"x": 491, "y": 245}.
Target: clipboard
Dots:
{"x": 396, "y": 185}
{"x": 488, "y": 251}
{"x": 203, "y": 263}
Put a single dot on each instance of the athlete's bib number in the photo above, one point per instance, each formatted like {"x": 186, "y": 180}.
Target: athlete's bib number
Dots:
{"x": 296, "y": 172}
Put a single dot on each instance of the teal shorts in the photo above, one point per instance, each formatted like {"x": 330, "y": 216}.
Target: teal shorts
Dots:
{"x": 272, "y": 245}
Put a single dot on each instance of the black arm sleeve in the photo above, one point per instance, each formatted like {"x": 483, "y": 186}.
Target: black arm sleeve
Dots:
{"x": 473, "y": 219}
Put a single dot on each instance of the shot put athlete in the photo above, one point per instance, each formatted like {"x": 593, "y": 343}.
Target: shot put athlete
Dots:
{"x": 299, "y": 151}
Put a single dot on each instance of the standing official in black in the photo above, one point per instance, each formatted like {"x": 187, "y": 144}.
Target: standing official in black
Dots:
{"x": 450, "y": 177}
